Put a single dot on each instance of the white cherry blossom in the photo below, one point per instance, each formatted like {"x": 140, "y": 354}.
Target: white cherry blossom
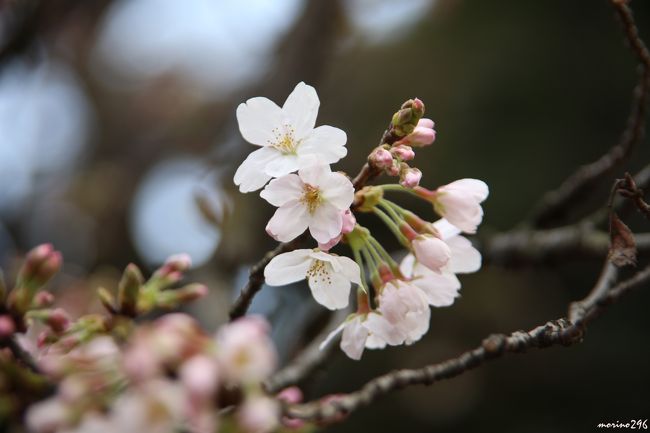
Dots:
{"x": 460, "y": 203}
{"x": 329, "y": 276}
{"x": 315, "y": 198}
{"x": 287, "y": 137}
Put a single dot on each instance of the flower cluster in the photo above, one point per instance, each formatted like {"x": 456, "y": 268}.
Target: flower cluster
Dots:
{"x": 168, "y": 376}
{"x": 394, "y": 308}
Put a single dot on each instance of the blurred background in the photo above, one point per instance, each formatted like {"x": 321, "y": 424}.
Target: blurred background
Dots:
{"x": 118, "y": 142}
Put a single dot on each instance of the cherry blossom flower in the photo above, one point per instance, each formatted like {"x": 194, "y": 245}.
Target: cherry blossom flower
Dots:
{"x": 329, "y": 276}
{"x": 315, "y": 198}
{"x": 404, "y": 306}
{"x": 287, "y": 137}
{"x": 459, "y": 202}
{"x": 259, "y": 414}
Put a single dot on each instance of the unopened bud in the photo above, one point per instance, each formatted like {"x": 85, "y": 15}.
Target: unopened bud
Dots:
{"x": 395, "y": 169}
{"x": 43, "y": 299}
{"x": 405, "y": 153}
{"x": 176, "y": 263}
{"x": 129, "y": 290}
{"x": 410, "y": 178}
{"x": 349, "y": 221}
{"x": 57, "y": 319}
{"x": 407, "y": 117}
{"x": 173, "y": 298}
{"x": 107, "y": 299}
{"x": 380, "y": 158}
{"x": 7, "y": 327}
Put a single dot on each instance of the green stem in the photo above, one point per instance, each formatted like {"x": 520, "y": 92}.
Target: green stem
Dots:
{"x": 392, "y": 226}
{"x": 380, "y": 249}
{"x": 397, "y": 187}
{"x": 359, "y": 260}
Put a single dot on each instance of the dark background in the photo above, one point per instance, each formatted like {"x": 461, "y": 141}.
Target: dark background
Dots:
{"x": 522, "y": 92}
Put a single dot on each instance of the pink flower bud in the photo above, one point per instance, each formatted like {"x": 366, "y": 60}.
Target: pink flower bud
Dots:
{"x": 349, "y": 221}
{"x": 291, "y": 395}
{"x": 380, "y": 158}
{"x": 405, "y": 153}
{"x": 431, "y": 251}
{"x": 426, "y": 123}
{"x": 410, "y": 178}
{"x": 58, "y": 320}
{"x": 394, "y": 170}
{"x": 43, "y": 299}
{"x": 7, "y": 326}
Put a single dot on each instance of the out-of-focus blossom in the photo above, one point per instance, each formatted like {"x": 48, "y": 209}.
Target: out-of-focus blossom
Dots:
{"x": 259, "y": 415}
{"x": 245, "y": 351}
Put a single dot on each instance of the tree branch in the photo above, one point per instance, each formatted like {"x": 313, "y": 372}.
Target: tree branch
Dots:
{"x": 555, "y": 203}
{"x": 564, "y": 331}
{"x": 256, "y": 280}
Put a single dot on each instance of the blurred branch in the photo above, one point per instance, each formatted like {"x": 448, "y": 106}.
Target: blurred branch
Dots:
{"x": 310, "y": 358}
{"x": 535, "y": 246}
{"x": 555, "y": 203}
{"x": 564, "y": 331}
{"x": 21, "y": 355}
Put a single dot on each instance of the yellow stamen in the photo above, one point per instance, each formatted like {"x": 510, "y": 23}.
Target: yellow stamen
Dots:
{"x": 284, "y": 140}
{"x": 311, "y": 197}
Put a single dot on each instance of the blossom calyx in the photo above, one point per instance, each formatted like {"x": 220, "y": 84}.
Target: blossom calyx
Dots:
{"x": 367, "y": 198}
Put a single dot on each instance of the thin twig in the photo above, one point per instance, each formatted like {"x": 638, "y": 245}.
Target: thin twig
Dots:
{"x": 555, "y": 203}
{"x": 22, "y": 356}
{"x": 564, "y": 331}
{"x": 256, "y": 280}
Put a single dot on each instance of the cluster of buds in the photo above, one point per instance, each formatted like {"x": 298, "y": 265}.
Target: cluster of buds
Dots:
{"x": 167, "y": 376}
{"x": 136, "y": 297}
{"x": 408, "y": 129}
{"x": 27, "y": 298}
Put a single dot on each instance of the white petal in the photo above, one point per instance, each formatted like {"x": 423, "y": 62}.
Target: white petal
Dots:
{"x": 406, "y": 267}
{"x": 383, "y": 330}
{"x": 257, "y": 118}
{"x": 282, "y": 165}
{"x": 325, "y": 142}
{"x": 354, "y": 338}
{"x": 301, "y": 109}
{"x": 325, "y": 223}
{"x": 283, "y": 190}
{"x": 477, "y": 188}
{"x": 440, "y": 289}
{"x": 374, "y": 342}
{"x": 331, "y": 336}
{"x": 338, "y": 190}
{"x": 314, "y": 173}
{"x": 288, "y": 222}
{"x": 464, "y": 257}
{"x": 250, "y": 175}
{"x": 329, "y": 288}
{"x": 446, "y": 229}
{"x": 288, "y": 268}
{"x": 349, "y": 269}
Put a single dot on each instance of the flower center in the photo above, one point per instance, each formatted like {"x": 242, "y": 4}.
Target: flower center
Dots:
{"x": 311, "y": 197}
{"x": 284, "y": 140}
{"x": 319, "y": 271}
